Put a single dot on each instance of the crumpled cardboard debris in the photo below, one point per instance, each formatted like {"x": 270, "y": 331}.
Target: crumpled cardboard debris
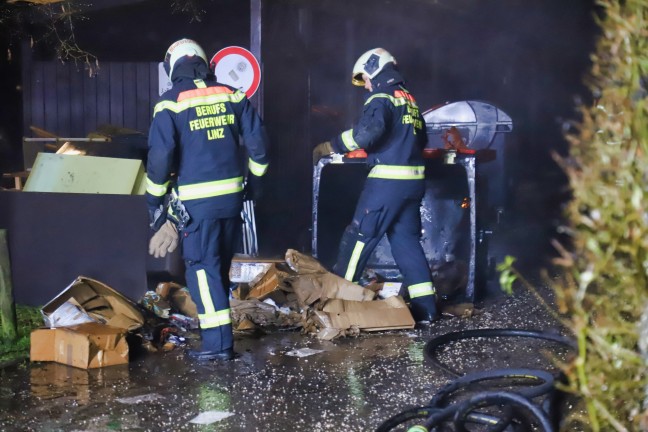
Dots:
{"x": 96, "y": 299}
{"x": 303, "y": 264}
{"x": 178, "y": 297}
{"x": 262, "y": 314}
{"x": 304, "y": 294}
{"x": 314, "y": 287}
{"x": 388, "y": 314}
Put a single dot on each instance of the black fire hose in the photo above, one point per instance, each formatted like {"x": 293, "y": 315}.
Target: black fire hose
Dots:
{"x": 434, "y": 344}
{"x": 464, "y": 411}
{"x": 436, "y": 406}
{"x": 498, "y": 398}
{"x": 545, "y": 378}
{"x": 425, "y": 412}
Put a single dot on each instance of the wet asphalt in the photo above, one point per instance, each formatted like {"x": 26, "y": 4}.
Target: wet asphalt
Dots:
{"x": 351, "y": 384}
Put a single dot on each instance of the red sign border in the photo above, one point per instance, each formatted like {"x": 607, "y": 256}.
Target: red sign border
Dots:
{"x": 256, "y": 80}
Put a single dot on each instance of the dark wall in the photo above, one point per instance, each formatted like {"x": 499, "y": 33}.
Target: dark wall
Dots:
{"x": 66, "y": 101}
{"x": 527, "y": 58}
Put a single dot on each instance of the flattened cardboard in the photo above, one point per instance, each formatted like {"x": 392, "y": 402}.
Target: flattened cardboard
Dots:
{"x": 313, "y": 287}
{"x": 388, "y": 314}
{"x": 86, "y": 346}
{"x": 86, "y": 174}
{"x": 99, "y": 301}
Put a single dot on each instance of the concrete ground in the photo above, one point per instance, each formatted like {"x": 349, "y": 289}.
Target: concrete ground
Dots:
{"x": 353, "y": 384}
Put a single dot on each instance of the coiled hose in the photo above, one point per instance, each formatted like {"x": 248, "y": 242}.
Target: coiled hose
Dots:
{"x": 516, "y": 405}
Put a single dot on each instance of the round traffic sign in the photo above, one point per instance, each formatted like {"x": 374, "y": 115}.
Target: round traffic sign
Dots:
{"x": 237, "y": 67}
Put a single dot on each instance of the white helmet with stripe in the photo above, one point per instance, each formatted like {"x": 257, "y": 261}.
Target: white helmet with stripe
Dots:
{"x": 179, "y": 49}
{"x": 370, "y": 63}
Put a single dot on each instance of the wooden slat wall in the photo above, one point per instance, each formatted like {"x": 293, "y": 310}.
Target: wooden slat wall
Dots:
{"x": 64, "y": 100}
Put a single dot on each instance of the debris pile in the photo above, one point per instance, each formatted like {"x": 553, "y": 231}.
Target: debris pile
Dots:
{"x": 300, "y": 292}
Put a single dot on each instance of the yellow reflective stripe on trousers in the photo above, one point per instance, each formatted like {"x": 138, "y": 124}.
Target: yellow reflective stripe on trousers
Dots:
{"x": 211, "y": 318}
{"x": 421, "y": 289}
{"x": 353, "y": 261}
{"x": 205, "y": 296}
{"x": 256, "y": 168}
{"x": 397, "y": 172}
{"x": 210, "y": 189}
{"x": 348, "y": 141}
{"x": 177, "y": 107}
{"x": 215, "y": 319}
{"x": 156, "y": 189}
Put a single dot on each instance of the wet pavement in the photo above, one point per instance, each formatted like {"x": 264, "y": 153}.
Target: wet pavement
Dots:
{"x": 353, "y": 384}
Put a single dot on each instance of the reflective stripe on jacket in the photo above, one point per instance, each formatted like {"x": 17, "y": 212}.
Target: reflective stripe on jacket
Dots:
{"x": 392, "y": 132}
{"x": 195, "y": 133}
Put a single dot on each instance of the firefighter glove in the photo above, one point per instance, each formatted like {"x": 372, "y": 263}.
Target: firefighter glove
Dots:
{"x": 253, "y": 188}
{"x": 164, "y": 240}
{"x": 320, "y": 150}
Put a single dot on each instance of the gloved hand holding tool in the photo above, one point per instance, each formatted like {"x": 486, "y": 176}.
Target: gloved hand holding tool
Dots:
{"x": 253, "y": 188}
{"x": 164, "y": 240}
{"x": 322, "y": 149}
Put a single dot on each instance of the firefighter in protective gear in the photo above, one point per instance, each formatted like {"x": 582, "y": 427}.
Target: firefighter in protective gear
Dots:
{"x": 195, "y": 132}
{"x": 392, "y": 132}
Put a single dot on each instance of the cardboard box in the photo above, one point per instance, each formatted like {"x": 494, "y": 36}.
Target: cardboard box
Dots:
{"x": 248, "y": 269}
{"x": 86, "y": 346}
{"x": 102, "y": 303}
{"x": 269, "y": 282}
{"x": 86, "y": 174}
{"x": 388, "y": 314}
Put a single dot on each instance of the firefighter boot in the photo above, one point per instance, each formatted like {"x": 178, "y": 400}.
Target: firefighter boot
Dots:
{"x": 424, "y": 309}
{"x": 212, "y": 347}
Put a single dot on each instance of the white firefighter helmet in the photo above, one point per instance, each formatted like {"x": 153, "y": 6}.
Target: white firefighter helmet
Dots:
{"x": 181, "y": 48}
{"x": 370, "y": 63}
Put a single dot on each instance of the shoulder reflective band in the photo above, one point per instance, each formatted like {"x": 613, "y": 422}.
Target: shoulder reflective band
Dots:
{"x": 420, "y": 290}
{"x": 195, "y": 101}
{"x": 203, "y": 91}
{"x": 400, "y": 101}
{"x": 256, "y": 168}
{"x": 200, "y": 83}
{"x": 156, "y": 189}
{"x": 210, "y": 189}
{"x": 397, "y": 172}
{"x": 353, "y": 261}
{"x": 349, "y": 142}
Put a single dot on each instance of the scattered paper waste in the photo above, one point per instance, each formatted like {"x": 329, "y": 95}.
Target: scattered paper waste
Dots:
{"x": 151, "y": 397}
{"x": 209, "y": 417}
{"x": 68, "y": 314}
{"x": 389, "y": 289}
{"x": 303, "y": 352}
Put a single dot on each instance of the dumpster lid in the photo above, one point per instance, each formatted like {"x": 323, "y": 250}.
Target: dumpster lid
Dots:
{"x": 477, "y": 121}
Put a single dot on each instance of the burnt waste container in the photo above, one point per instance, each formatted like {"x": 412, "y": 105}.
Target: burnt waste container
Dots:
{"x": 465, "y": 198}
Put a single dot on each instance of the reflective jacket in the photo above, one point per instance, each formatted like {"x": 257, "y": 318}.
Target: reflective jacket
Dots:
{"x": 195, "y": 133}
{"x": 392, "y": 132}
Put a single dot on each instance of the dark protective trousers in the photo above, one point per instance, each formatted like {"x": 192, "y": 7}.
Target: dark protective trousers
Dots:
{"x": 381, "y": 212}
{"x": 208, "y": 246}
